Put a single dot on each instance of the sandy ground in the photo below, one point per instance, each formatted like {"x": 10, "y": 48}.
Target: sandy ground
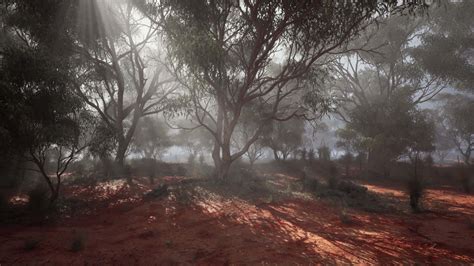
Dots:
{"x": 124, "y": 229}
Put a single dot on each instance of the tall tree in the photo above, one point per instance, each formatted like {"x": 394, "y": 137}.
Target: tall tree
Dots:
{"x": 379, "y": 90}
{"x": 123, "y": 80}
{"x": 228, "y": 55}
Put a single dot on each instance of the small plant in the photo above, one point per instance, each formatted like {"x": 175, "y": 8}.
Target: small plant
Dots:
{"x": 168, "y": 243}
{"x": 78, "y": 242}
{"x": 31, "y": 244}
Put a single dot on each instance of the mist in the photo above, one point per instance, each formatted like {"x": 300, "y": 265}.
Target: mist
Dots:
{"x": 236, "y": 132}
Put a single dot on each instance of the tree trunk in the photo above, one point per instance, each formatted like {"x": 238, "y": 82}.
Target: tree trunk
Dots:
{"x": 222, "y": 169}
{"x": 275, "y": 154}
{"x": 120, "y": 168}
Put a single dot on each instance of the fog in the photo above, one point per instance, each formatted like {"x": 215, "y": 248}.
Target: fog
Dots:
{"x": 236, "y": 132}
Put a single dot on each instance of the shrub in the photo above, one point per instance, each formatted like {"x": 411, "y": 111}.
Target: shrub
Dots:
{"x": 31, "y": 244}
{"x": 191, "y": 159}
{"x": 78, "y": 242}
{"x": 351, "y": 187}
{"x": 470, "y": 223}
{"x": 416, "y": 188}
{"x": 3, "y": 203}
{"x": 347, "y": 160}
{"x": 303, "y": 154}
{"x": 311, "y": 184}
{"x": 467, "y": 184}
{"x": 467, "y": 181}
{"x": 324, "y": 153}
{"x": 346, "y": 218}
{"x": 160, "y": 191}
{"x": 333, "y": 182}
{"x": 311, "y": 155}
{"x": 201, "y": 159}
{"x": 38, "y": 200}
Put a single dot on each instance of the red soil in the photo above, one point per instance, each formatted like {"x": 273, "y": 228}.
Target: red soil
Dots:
{"x": 216, "y": 230}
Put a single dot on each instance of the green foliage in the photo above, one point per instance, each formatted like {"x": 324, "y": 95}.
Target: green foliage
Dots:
{"x": 103, "y": 142}
{"x": 445, "y": 49}
{"x": 226, "y": 57}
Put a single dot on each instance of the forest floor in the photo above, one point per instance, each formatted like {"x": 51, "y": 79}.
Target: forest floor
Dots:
{"x": 207, "y": 223}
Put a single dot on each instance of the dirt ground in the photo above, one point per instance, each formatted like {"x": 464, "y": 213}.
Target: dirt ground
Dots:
{"x": 209, "y": 227}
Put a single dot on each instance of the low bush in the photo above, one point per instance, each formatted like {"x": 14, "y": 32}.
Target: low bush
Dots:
{"x": 350, "y": 187}
{"x": 355, "y": 196}
{"x": 158, "y": 192}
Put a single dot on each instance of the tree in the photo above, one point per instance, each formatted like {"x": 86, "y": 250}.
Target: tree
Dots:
{"x": 122, "y": 80}
{"x": 324, "y": 153}
{"x": 228, "y": 55}
{"x": 151, "y": 138}
{"x": 445, "y": 49}
{"x": 442, "y": 141}
{"x": 459, "y": 122}
{"x": 195, "y": 141}
{"x": 41, "y": 119}
{"x": 285, "y": 137}
{"x": 379, "y": 91}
